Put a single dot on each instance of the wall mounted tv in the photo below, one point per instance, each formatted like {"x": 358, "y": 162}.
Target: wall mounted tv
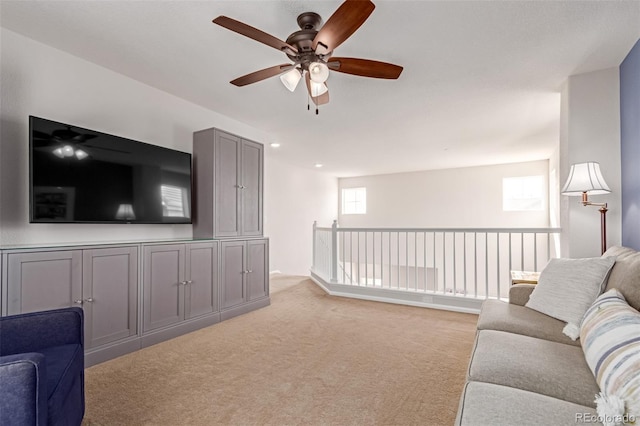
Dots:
{"x": 79, "y": 175}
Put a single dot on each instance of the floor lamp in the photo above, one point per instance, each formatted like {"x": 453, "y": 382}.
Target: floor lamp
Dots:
{"x": 586, "y": 179}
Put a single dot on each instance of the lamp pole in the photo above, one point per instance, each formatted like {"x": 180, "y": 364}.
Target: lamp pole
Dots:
{"x": 603, "y": 228}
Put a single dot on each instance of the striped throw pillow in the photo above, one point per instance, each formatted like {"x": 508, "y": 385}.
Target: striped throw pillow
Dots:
{"x": 610, "y": 336}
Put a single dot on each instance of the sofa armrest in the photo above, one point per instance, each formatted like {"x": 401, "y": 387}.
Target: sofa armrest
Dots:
{"x": 23, "y": 389}
{"x": 519, "y": 293}
{"x": 33, "y": 331}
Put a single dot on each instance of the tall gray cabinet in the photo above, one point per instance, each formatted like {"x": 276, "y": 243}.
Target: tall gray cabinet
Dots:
{"x": 229, "y": 174}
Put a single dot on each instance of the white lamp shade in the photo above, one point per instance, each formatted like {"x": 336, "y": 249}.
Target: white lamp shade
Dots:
{"x": 318, "y": 89}
{"x": 318, "y": 72}
{"x": 290, "y": 79}
{"x": 125, "y": 212}
{"x": 585, "y": 177}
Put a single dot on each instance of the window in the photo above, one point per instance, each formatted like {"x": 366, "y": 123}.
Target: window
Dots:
{"x": 354, "y": 201}
{"x": 174, "y": 201}
{"x": 525, "y": 193}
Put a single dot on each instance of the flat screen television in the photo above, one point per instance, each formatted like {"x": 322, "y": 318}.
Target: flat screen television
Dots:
{"x": 79, "y": 175}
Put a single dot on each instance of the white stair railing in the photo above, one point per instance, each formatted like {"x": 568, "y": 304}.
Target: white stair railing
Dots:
{"x": 467, "y": 262}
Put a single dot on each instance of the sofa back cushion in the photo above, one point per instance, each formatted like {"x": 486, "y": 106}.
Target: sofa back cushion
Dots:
{"x": 625, "y": 275}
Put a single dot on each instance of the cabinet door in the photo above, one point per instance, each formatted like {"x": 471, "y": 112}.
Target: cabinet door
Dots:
{"x": 251, "y": 194}
{"x": 163, "y": 282}
{"x": 233, "y": 273}
{"x": 227, "y": 187}
{"x": 201, "y": 292}
{"x": 110, "y": 296}
{"x": 258, "y": 265}
{"x": 43, "y": 280}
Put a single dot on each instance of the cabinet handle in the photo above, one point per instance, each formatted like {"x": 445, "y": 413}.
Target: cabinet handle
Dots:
{"x": 90, "y": 299}
{"x": 249, "y": 271}
{"x": 190, "y": 282}
{"x": 245, "y": 272}
{"x": 183, "y": 283}
{"x": 240, "y": 186}
{"x": 78, "y": 302}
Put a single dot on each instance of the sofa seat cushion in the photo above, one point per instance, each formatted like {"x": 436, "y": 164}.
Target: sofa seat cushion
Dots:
{"x": 536, "y": 365}
{"x": 65, "y": 365}
{"x": 502, "y": 316}
{"x": 490, "y": 404}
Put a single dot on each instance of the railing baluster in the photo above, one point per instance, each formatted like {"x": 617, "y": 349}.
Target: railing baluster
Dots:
{"x": 406, "y": 261}
{"x": 426, "y": 270}
{"x": 475, "y": 264}
{"x": 366, "y": 259}
{"x": 535, "y": 251}
{"x": 522, "y": 251}
{"x": 486, "y": 264}
{"x": 415, "y": 264}
{"x": 498, "y": 266}
{"x": 398, "y": 253}
{"x": 373, "y": 246}
{"x": 435, "y": 274}
{"x": 454, "y": 265}
{"x": 444, "y": 263}
{"x": 464, "y": 260}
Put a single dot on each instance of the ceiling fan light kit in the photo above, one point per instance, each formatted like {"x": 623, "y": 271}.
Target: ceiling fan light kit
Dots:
{"x": 291, "y": 79}
{"x": 319, "y": 72}
{"x": 310, "y": 49}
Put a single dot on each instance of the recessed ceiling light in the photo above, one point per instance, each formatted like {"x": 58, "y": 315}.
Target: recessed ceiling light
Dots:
{"x": 275, "y": 145}
{"x": 318, "y": 165}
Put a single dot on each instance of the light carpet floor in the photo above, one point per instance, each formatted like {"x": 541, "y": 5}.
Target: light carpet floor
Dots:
{"x": 308, "y": 359}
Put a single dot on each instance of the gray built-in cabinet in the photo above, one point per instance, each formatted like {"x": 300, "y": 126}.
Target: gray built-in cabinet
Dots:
{"x": 228, "y": 174}
{"x": 136, "y": 294}
{"x": 103, "y": 281}
{"x": 180, "y": 283}
{"x": 245, "y": 277}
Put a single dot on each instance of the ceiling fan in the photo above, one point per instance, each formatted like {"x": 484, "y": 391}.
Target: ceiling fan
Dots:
{"x": 311, "y": 50}
{"x": 66, "y": 142}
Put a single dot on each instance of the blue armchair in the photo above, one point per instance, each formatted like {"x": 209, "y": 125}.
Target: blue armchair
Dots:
{"x": 42, "y": 368}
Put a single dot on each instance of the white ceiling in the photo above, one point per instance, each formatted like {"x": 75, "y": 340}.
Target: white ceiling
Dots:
{"x": 480, "y": 83}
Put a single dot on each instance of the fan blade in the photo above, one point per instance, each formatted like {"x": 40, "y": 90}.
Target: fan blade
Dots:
{"x": 344, "y": 22}
{"x": 365, "y": 67}
{"x": 254, "y": 77}
{"x": 318, "y": 100}
{"x": 254, "y": 33}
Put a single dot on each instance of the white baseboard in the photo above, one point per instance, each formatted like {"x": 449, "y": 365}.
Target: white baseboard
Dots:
{"x": 424, "y": 300}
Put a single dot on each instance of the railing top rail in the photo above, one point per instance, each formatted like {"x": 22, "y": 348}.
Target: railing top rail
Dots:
{"x": 461, "y": 230}
{"x": 323, "y": 229}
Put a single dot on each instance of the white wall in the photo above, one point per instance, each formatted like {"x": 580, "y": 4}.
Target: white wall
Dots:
{"x": 294, "y": 198}
{"x": 468, "y": 197}
{"x": 39, "y": 80}
{"x": 591, "y": 132}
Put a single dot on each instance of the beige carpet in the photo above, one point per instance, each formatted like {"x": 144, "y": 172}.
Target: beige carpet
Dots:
{"x": 308, "y": 359}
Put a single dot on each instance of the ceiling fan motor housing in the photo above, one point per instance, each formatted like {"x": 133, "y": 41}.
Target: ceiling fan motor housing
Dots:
{"x": 310, "y": 23}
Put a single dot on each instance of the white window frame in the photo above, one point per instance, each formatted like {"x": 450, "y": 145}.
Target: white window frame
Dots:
{"x": 523, "y": 193}
{"x": 354, "y": 200}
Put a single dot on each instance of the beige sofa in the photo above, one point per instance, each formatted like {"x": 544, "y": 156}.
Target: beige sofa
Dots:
{"x": 525, "y": 371}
